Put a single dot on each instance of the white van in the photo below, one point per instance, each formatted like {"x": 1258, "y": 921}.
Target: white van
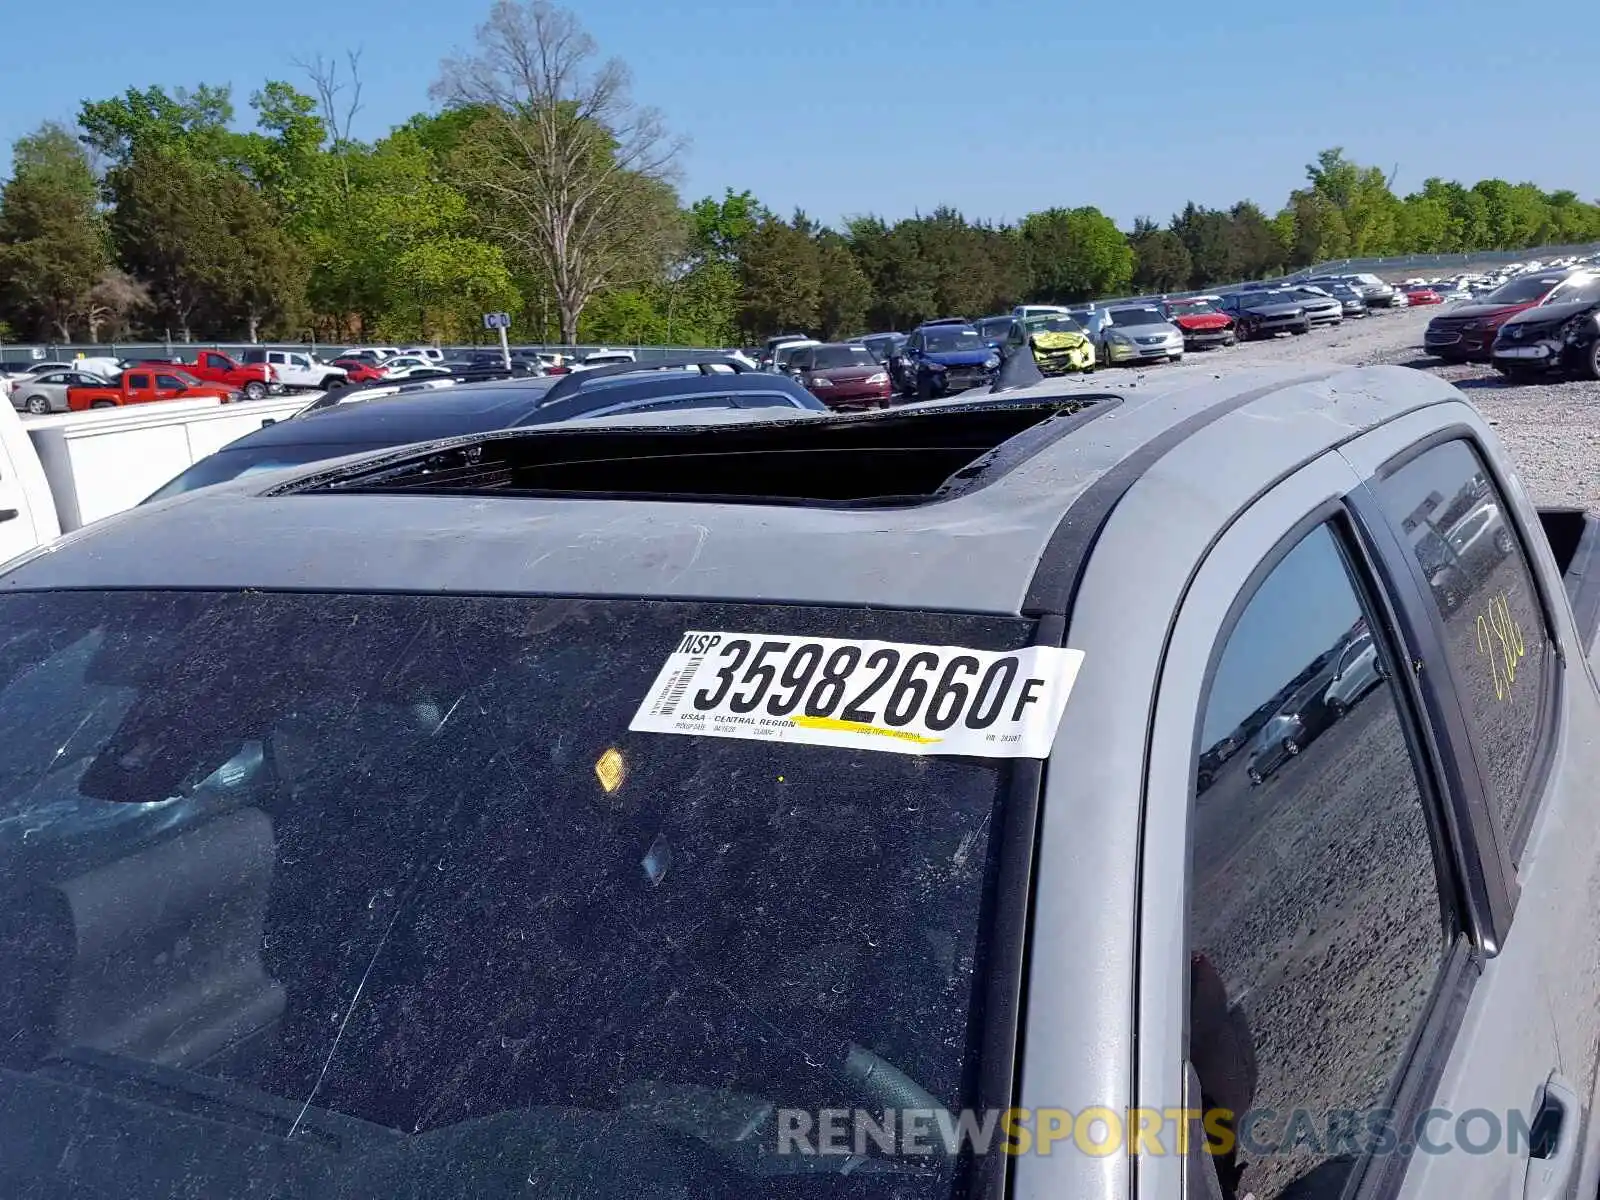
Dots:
{"x": 63, "y": 471}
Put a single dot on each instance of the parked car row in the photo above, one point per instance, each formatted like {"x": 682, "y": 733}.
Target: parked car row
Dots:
{"x": 1537, "y": 323}
{"x": 948, "y": 355}
{"x": 73, "y": 385}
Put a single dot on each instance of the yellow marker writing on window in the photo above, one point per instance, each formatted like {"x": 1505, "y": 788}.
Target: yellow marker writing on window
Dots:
{"x": 1500, "y": 640}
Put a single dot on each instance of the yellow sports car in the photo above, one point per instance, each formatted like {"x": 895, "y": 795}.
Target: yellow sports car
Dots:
{"x": 1059, "y": 344}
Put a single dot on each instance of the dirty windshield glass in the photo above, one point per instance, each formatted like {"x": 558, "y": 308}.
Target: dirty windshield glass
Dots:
{"x": 318, "y": 896}
{"x": 828, "y": 357}
{"x": 940, "y": 341}
{"x": 1137, "y": 316}
{"x": 1525, "y": 290}
{"x": 231, "y": 464}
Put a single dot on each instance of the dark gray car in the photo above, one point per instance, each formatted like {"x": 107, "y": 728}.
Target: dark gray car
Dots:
{"x": 1265, "y": 313}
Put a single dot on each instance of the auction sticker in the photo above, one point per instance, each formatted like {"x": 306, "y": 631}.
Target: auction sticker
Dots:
{"x": 891, "y": 696}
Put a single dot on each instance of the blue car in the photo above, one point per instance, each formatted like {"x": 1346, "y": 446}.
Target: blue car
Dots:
{"x": 941, "y": 358}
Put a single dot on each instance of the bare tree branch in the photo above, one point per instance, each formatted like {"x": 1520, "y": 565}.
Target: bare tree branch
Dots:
{"x": 324, "y": 76}
{"x": 578, "y": 177}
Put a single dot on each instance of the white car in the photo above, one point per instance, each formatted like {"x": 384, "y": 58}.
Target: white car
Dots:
{"x": 605, "y": 358}
{"x": 1357, "y": 673}
{"x": 403, "y": 366}
{"x": 299, "y": 372}
{"x": 432, "y": 353}
{"x": 371, "y": 354}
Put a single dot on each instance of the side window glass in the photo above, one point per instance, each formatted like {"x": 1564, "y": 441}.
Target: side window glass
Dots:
{"x": 138, "y": 381}
{"x": 168, "y": 381}
{"x": 1316, "y": 926}
{"x": 1454, "y": 518}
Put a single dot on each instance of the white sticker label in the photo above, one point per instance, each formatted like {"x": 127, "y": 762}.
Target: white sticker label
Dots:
{"x": 892, "y": 696}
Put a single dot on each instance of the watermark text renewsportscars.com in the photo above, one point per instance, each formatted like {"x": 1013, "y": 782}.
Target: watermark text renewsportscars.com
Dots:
{"x": 1100, "y": 1131}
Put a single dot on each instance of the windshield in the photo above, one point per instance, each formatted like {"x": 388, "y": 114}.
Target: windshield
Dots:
{"x": 827, "y": 357}
{"x": 228, "y": 464}
{"x": 1190, "y": 308}
{"x": 1052, "y": 324}
{"x": 1575, "y": 289}
{"x": 1522, "y": 291}
{"x": 1137, "y": 316}
{"x": 939, "y": 341}
{"x": 354, "y": 897}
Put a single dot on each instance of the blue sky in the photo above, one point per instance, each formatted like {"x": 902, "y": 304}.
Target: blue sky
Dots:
{"x": 997, "y": 108}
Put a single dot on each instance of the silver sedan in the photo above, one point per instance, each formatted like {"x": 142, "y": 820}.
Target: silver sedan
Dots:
{"x": 47, "y": 393}
{"x": 1134, "y": 333}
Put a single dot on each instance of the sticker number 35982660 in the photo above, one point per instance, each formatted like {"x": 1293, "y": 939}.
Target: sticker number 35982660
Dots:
{"x": 892, "y": 696}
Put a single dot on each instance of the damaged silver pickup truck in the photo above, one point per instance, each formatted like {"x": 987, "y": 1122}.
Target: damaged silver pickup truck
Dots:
{"x": 1185, "y": 787}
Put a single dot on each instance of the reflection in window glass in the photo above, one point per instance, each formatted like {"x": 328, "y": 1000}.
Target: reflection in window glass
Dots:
{"x": 1455, "y": 520}
{"x": 1315, "y": 924}
{"x": 404, "y": 861}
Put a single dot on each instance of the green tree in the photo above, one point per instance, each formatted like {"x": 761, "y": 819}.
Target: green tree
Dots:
{"x": 1361, "y": 195}
{"x": 171, "y": 226}
{"x": 1076, "y": 254}
{"x": 571, "y": 174}
{"x": 903, "y": 283}
{"x": 264, "y": 284}
{"x": 780, "y": 280}
{"x": 285, "y": 158}
{"x": 1257, "y": 249}
{"x": 1208, "y": 237}
{"x": 1161, "y": 261}
{"x": 195, "y": 124}
{"x": 843, "y": 290}
{"x": 52, "y": 240}
{"x": 1320, "y": 234}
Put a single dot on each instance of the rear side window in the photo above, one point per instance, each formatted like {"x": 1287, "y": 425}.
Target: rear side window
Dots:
{"x": 138, "y": 381}
{"x": 1317, "y": 927}
{"x": 1455, "y": 519}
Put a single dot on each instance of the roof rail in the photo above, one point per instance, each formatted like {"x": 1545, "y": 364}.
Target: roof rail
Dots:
{"x": 575, "y": 381}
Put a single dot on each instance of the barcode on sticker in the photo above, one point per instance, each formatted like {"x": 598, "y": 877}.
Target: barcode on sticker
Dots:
{"x": 673, "y": 696}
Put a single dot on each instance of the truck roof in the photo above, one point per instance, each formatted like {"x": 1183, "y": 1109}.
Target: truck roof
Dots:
{"x": 982, "y": 489}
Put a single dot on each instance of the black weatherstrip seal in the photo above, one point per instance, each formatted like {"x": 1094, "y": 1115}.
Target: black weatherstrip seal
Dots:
{"x": 1055, "y": 582}
{"x": 1004, "y": 1009}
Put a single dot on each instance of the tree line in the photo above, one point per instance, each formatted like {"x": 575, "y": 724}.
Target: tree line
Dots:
{"x": 538, "y": 186}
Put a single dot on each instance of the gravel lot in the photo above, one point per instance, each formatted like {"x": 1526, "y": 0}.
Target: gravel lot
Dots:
{"x": 1551, "y": 429}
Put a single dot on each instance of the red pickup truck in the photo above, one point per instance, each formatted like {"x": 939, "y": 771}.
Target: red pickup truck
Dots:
{"x": 142, "y": 385}
{"x": 255, "y": 380}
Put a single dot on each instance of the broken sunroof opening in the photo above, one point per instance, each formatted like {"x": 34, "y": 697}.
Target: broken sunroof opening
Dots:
{"x": 861, "y": 460}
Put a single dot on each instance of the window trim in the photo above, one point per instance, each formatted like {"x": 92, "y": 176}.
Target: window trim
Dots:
{"x": 1488, "y": 878}
{"x": 1535, "y": 782}
{"x": 1429, "y": 1043}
